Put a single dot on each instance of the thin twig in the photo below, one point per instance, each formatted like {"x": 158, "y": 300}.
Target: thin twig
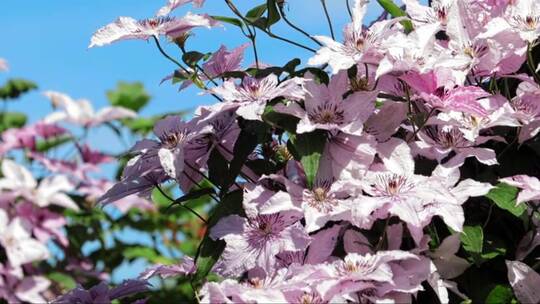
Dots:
{"x": 182, "y": 205}
{"x": 156, "y": 40}
{"x": 239, "y": 15}
{"x": 323, "y": 2}
{"x": 284, "y": 17}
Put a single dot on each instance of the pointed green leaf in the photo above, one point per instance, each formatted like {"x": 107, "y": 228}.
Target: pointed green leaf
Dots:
{"x": 504, "y": 196}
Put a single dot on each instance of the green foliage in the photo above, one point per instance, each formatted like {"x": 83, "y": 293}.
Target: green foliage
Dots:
{"x": 307, "y": 148}
{"x": 229, "y": 20}
{"x": 10, "y": 120}
{"x": 504, "y": 196}
{"x": 131, "y": 96}
{"x": 478, "y": 247}
{"x": 396, "y": 11}
{"x": 48, "y": 144}
{"x": 15, "y": 88}
{"x": 501, "y": 294}
{"x": 209, "y": 249}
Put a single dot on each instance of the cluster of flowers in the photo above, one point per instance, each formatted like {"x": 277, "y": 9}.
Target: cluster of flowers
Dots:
{"x": 32, "y": 219}
{"x": 342, "y": 210}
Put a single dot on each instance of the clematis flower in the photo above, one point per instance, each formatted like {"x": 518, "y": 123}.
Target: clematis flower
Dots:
{"x": 499, "y": 113}
{"x": 431, "y": 88}
{"x": 81, "y": 112}
{"x": 326, "y": 109}
{"x": 526, "y": 109}
{"x": 17, "y": 242}
{"x": 477, "y": 47}
{"x": 249, "y": 98}
{"x": 415, "y": 199}
{"x": 25, "y": 137}
{"x": 127, "y": 28}
{"x": 50, "y": 191}
{"x": 15, "y": 288}
{"x": 523, "y": 16}
{"x": 101, "y": 293}
{"x": 524, "y": 281}
{"x": 185, "y": 267}
{"x": 44, "y": 223}
{"x": 254, "y": 241}
{"x": 437, "y": 13}
{"x": 174, "y": 4}
{"x": 364, "y": 275}
{"x": 155, "y": 161}
{"x": 360, "y": 45}
{"x": 222, "y": 61}
{"x": 437, "y": 142}
{"x": 217, "y": 131}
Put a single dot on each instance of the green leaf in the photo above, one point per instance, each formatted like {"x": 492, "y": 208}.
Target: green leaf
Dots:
{"x": 504, "y": 196}
{"x": 210, "y": 250}
{"x": 308, "y": 148}
{"x": 273, "y": 13}
{"x": 15, "y": 88}
{"x": 192, "y": 195}
{"x": 150, "y": 254}
{"x": 396, "y": 11}
{"x": 192, "y": 58}
{"x": 256, "y": 12}
{"x": 217, "y": 168}
{"x": 280, "y": 120}
{"x": 472, "y": 239}
{"x": 46, "y": 145}
{"x": 10, "y": 120}
{"x": 65, "y": 281}
{"x": 500, "y": 294}
{"x": 229, "y": 20}
{"x": 131, "y": 96}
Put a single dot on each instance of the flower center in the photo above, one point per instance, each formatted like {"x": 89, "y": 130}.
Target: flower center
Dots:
{"x": 328, "y": 113}
{"x": 391, "y": 185}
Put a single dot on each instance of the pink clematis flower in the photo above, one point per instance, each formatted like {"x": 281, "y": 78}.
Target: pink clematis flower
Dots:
{"x": 256, "y": 240}
{"x": 155, "y": 161}
{"x": 174, "y": 4}
{"x": 249, "y": 98}
{"x": 437, "y": 142}
{"x": 360, "y": 45}
{"x": 126, "y": 28}
{"x": 326, "y": 109}
{"x": 17, "y": 242}
{"x": 44, "y": 223}
{"x": 222, "y": 61}
{"x": 416, "y": 199}
{"x": 15, "y": 288}
{"x": 526, "y": 109}
{"x": 50, "y": 191}
{"x": 524, "y": 281}
{"x": 432, "y": 88}
{"x": 184, "y": 268}
{"x": 523, "y": 16}
{"x": 81, "y": 112}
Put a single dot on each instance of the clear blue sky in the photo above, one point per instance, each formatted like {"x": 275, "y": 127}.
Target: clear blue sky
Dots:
{"x": 46, "y": 41}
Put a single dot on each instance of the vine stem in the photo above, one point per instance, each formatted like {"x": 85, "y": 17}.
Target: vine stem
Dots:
{"x": 323, "y": 3}
{"x": 182, "y": 205}
{"x": 269, "y": 33}
{"x": 283, "y": 15}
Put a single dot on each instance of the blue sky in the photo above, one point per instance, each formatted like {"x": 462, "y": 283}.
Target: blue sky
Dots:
{"x": 46, "y": 41}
